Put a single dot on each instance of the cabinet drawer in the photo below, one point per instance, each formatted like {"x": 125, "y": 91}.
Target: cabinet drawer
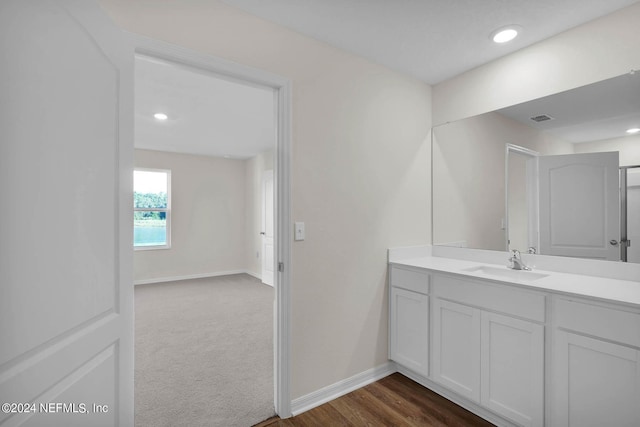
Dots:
{"x": 494, "y": 297}
{"x": 604, "y": 322}
{"x": 409, "y": 279}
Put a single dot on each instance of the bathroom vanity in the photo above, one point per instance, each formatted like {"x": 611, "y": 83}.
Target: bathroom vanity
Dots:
{"x": 547, "y": 347}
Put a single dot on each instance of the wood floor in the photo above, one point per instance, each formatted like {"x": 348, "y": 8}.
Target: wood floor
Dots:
{"x": 393, "y": 401}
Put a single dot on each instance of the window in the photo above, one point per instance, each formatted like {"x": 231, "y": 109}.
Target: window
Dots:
{"x": 151, "y": 209}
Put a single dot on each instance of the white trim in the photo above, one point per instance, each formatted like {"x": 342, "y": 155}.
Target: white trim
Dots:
{"x": 522, "y": 150}
{"x": 284, "y": 238}
{"x": 189, "y": 276}
{"x": 283, "y": 94}
{"x": 254, "y": 274}
{"x": 222, "y": 68}
{"x": 333, "y": 391}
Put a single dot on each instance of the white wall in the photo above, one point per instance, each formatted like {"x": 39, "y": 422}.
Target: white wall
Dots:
{"x": 207, "y": 217}
{"x": 627, "y": 146}
{"x": 216, "y": 216}
{"x": 604, "y": 48}
{"x": 360, "y": 174}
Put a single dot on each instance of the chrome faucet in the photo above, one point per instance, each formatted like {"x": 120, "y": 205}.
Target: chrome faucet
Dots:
{"x": 516, "y": 262}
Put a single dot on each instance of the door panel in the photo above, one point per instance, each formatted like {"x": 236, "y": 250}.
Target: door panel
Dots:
{"x": 91, "y": 383}
{"x": 65, "y": 260}
{"x": 456, "y": 348}
{"x": 410, "y": 330}
{"x": 62, "y": 230}
{"x": 513, "y": 368}
{"x": 579, "y": 205}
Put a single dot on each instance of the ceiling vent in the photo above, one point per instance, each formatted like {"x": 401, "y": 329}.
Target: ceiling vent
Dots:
{"x": 542, "y": 118}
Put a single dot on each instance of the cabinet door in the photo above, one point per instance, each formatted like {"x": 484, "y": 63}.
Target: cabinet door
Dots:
{"x": 512, "y": 371}
{"x": 596, "y": 383}
{"x": 456, "y": 348}
{"x": 410, "y": 330}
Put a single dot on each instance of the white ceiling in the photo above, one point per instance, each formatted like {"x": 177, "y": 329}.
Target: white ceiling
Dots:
{"x": 430, "y": 39}
{"x": 208, "y": 115}
{"x": 433, "y": 40}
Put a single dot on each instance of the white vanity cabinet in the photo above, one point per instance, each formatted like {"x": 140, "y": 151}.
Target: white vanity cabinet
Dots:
{"x": 596, "y": 365}
{"x": 558, "y": 346}
{"x": 409, "y": 319}
{"x": 488, "y": 346}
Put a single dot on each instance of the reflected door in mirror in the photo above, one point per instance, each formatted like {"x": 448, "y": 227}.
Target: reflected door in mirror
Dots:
{"x": 579, "y": 205}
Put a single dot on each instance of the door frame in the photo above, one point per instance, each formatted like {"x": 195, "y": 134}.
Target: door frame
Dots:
{"x": 282, "y": 188}
{"x": 624, "y": 232}
{"x": 532, "y": 194}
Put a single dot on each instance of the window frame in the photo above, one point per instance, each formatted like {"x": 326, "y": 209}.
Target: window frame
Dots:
{"x": 166, "y": 210}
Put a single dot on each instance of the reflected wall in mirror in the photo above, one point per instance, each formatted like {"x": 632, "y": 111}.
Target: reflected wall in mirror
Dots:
{"x": 488, "y": 196}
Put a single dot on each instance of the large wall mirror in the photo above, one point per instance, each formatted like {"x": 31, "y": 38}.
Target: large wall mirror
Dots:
{"x": 559, "y": 175}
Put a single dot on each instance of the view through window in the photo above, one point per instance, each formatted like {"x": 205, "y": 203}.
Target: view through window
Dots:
{"x": 151, "y": 208}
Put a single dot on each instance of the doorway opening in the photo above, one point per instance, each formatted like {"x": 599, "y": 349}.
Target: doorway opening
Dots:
{"x": 629, "y": 213}
{"x": 267, "y": 258}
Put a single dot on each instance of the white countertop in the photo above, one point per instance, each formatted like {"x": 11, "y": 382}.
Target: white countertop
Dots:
{"x": 603, "y": 288}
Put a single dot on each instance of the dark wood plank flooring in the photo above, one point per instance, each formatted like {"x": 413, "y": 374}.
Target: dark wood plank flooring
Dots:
{"x": 393, "y": 401}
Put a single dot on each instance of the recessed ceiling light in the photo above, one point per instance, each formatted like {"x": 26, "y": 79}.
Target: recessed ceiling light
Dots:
{"x": 505, "y": 34}
{"x": 633, "y": 130}
{"x": 160, "y": 116}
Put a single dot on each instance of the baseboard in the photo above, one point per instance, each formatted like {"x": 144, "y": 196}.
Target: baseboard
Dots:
{"x": 254, "y": 274}
{"x": 341, "y": 388}
{"x": 190, "y": 276}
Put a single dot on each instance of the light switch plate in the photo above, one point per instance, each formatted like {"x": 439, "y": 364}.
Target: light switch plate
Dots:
{"x": 298, "y": 231}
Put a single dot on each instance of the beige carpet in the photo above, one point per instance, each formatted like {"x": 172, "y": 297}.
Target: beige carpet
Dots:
{"x": 204, "y": 352}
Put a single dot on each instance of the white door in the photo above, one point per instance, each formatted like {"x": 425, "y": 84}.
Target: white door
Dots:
{"x": 512, "y": 373}
{"x": 580, "y": 205}
{"x": 410, "y": 330}
{"x": 268, "y": 256}
{"x": 66, "y": 314}
{"x": 456, "y": 348}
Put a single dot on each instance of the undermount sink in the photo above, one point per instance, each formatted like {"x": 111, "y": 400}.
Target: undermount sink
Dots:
{"x": 506, "y": 273}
